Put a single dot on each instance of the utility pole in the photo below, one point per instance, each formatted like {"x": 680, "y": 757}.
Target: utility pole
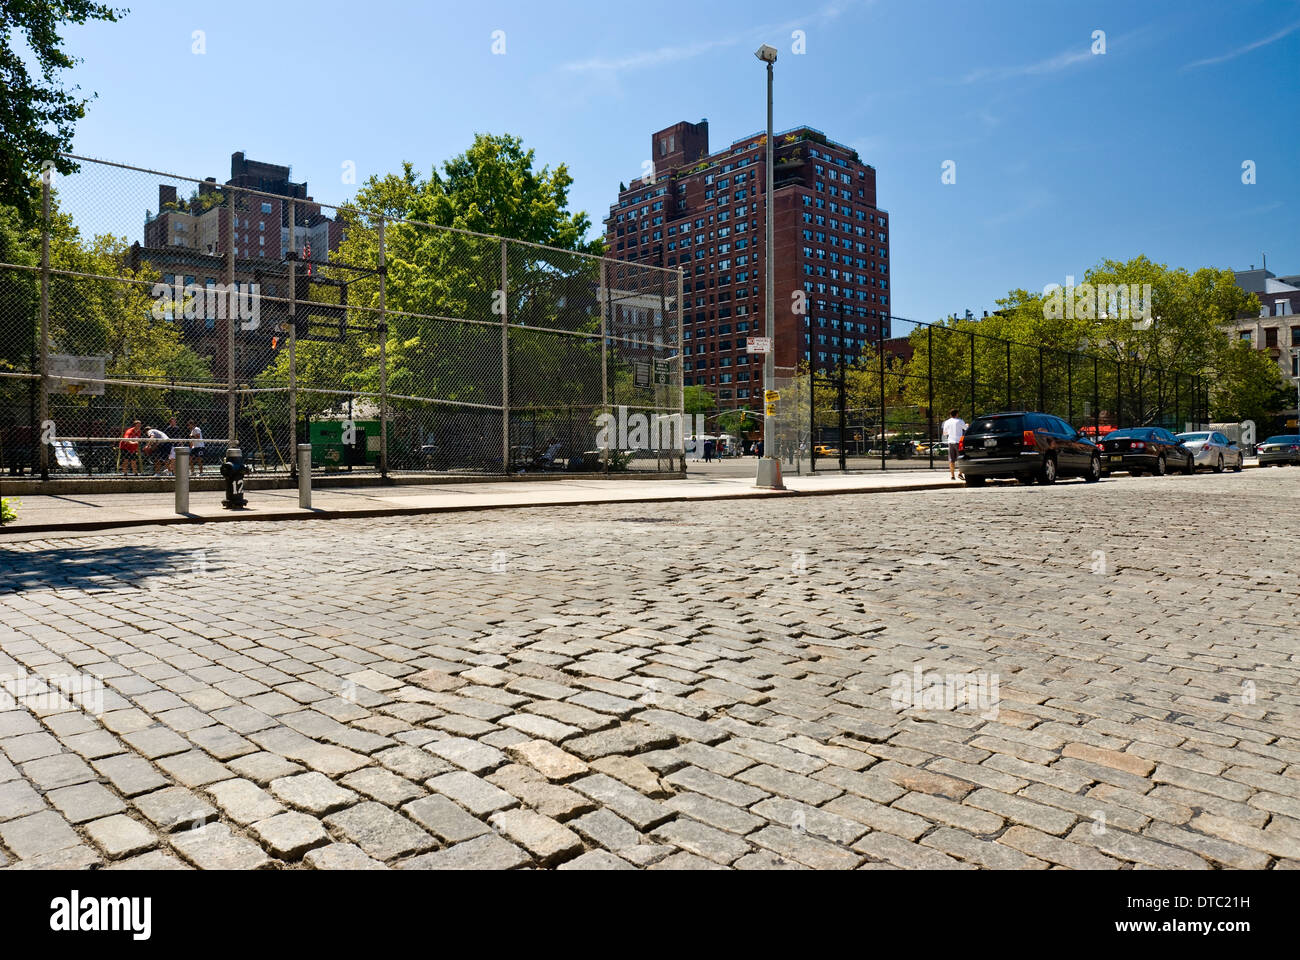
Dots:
{"x": 769, "y": 466}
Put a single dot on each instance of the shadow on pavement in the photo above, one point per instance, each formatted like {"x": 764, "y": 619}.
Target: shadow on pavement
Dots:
{"x": 91, "y": 568}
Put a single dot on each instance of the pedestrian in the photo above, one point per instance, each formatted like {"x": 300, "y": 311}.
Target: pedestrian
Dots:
{"x": 196, "y": 446}
{"x": 758, "y": 448}
{"x": 129, "y": 450}
{"x": 953, "y": 430}
{"x": 157, "y": 448}
{"x": 708, "y": 451}
{"x": 173, "y": 430}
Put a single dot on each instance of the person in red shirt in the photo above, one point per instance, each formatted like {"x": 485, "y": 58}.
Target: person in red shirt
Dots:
{"x": 129, "y": 449}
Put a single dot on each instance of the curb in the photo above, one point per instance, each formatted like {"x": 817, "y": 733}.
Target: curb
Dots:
{"x": 82, "y": 526}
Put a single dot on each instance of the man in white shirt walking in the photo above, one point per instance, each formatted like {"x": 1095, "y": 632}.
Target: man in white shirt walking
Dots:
{"x": 953, "y": 428}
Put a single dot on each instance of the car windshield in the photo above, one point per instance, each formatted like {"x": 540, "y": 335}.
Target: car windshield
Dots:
{"x": 1283, "y": 439}
{"x": 1010, "y": 423}
{"x": 1193, "y": 436}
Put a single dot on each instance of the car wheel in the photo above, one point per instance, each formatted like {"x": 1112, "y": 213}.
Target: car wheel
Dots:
{"x": 1190, "y": 469}
{"x": 1094, "y": 470}
{"x": 1240, "y": 463}
{"x": 1218, "y": 467}
{"x": 1162, "y": 466}
{"x": 1047, "y": 474}
{"x": 975, "y": 481}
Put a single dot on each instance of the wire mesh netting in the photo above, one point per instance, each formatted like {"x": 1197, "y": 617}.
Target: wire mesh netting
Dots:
{"x": 169, "y": 308}
{"x": 885, "y": 410}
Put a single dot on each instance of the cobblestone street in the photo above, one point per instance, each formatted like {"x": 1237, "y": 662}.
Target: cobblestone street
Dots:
{"x": 671, "y": 685}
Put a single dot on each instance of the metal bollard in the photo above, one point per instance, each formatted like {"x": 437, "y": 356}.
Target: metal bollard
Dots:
{"x": 182, "y": 480}
{"x": 304, "y": 476}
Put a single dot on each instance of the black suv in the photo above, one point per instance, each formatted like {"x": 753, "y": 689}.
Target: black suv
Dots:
{"x": 1027, "y": 446}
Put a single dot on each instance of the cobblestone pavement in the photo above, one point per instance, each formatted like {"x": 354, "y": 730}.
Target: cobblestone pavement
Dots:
{"x": 671, "y": 686}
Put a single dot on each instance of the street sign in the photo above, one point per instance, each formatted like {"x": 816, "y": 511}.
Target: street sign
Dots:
{"x": 662, "y": 370}
{"x": 641, "y": 373}
{"x": 771, "y": 409}
{"x": 771, "y": 396}
{"x": 758, "y": 345}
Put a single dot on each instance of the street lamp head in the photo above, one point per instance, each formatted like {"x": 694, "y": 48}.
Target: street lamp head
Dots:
{"x": 766, "y": 53}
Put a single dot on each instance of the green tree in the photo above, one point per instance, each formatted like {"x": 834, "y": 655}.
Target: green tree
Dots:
{"x": 98, "y": 307}
{"x": 38, "y": 113}
{"x": 1247, "y": 385}
{"x": 697, "y": 399}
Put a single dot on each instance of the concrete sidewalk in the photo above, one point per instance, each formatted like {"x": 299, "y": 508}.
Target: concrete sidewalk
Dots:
{"x": 89, "y": 512}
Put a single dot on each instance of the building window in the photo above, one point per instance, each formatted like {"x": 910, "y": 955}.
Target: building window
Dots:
{"x": 1270, "y": 336}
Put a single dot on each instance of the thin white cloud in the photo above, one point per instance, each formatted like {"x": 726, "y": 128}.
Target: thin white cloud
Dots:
{"x": 650, "y": 58}
{"x": 1051, "y": 65}
{"x": 1241, "y": 51}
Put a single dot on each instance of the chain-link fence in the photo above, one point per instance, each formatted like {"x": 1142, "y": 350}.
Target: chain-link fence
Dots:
{"x": 144, "y": 308}
{"x": 885, "y": 411}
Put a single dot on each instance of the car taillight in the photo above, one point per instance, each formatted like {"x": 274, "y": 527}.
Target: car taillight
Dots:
{"x": 1295, "y": 448}
{"x": 961, "y": 444}
{"x": 1137, "y": 445}
{"x": 1029, "y": 440}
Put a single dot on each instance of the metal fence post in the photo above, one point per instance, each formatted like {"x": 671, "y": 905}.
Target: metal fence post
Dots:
{"x": 1096, "y": 401}
{"x": 45, "y": 321}
{"x": 1119, "y": 393}
{"x": 681, "y": 360}
{"x": 843, "y": 425}
{"x": 605, "y": 301}
{"x": 972, "y": 375}
{"x": 880, "y": 347}
{"x": 505, "y": 358}
{"x": 929, "y": 390}
{"x": 1176, "y": 427}
{"x": 293, "y": 337}
{"x": 231, "y": 316}
{"x": 383, "y": 350}
{"x": 1010, "y": 402}
{"x": 1141, "y": 411}
{"x": 812, "y": 418}
{"x": 1069, "y": 388}
{"x": 1042, "y": 403}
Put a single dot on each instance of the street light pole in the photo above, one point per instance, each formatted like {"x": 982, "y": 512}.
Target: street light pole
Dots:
{"x": 769, "y": 466}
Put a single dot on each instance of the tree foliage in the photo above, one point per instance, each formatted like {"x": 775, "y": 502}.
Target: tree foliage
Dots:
{"x": 1146, "y": 357}
{"x": 443, "y": 289}
{"x": 38, "y": 113}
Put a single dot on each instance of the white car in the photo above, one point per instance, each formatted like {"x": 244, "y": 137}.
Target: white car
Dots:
{"x": 1213, "y": 449}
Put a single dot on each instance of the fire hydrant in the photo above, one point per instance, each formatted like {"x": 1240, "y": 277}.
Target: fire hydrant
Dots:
{"x": 232, "y": 471}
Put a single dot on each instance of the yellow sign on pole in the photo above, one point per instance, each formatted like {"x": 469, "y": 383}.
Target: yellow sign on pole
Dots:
{"x": 771, "y": 396}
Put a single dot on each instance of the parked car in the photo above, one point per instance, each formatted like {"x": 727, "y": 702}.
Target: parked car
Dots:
{"x": 1213, "y": 449}
{"x": 1028, "y": 446}
{"x": 1142, "y": 450}
{"x": 1280, "y": 450}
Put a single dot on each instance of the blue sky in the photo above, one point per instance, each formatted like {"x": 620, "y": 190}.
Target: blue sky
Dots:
{"x": 1063, "y": 157}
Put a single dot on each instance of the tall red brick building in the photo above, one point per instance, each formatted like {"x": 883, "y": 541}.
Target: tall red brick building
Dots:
{"x": 705, "y": 213}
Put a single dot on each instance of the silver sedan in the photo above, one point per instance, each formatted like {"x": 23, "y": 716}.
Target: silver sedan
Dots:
{"x": 1213, "y": 449}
